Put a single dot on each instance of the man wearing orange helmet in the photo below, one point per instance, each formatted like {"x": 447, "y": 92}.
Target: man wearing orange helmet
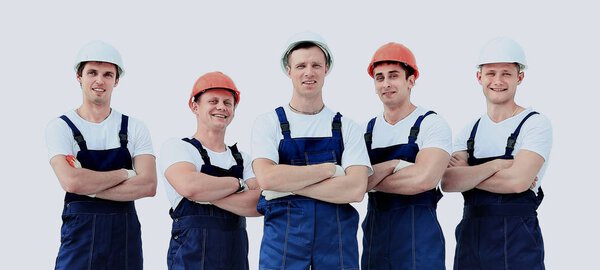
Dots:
{"x": 311, "y": 163}
{"x": 104, "y": 161}
{"x": 409, "y": 148}
{"x": 211, "y": 187}
{"x": 498, "y": 164}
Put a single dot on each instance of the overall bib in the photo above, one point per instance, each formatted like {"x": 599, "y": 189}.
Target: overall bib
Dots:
{"x": 98, "y": 233}
{"x": 499, "y": 231}
{"x": 205, "y": 236}
{"x": 302, "y": 233}
{"x": 401, "y": 231}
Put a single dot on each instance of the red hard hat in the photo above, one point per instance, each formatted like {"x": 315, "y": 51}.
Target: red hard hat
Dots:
{"x": 394, "y": 52}
{"x": 214, "y": 80}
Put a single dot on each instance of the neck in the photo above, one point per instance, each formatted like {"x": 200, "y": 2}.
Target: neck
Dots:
{"x": 307, "y": 106}
{"x": 499, "y": 113}
{"x": 211, "y": 139}
{"x": 393, "y": 115}
{"x": 94, "y": 114}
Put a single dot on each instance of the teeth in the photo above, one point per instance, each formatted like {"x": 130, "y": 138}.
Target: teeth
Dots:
{"x": 220, "y": 116}
{"x": 98, "y": 89}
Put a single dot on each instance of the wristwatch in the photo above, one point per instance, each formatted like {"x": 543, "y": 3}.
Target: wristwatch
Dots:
{"x": 243, "y": 187}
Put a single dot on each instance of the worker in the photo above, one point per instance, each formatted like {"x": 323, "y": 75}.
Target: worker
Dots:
{"x": 211, "y": 187}
{"x": 498, "y": 164}
{"x": 311, "y": 163}
{"x": 104, "y": 161}
{"x": 409, "y": 147}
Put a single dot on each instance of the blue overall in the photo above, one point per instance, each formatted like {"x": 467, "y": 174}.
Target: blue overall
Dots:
{"x": 499, "y": 231}
{"x": 401, "y": 231}
{"x": 301, "y": 232}
{"x": 205, "y": 236}
{"x": 97, "y": 233}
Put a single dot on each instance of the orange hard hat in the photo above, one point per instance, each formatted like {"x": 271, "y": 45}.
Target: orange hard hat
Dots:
{"x": 214, "y": 80}
{"x": 394, "y": 52}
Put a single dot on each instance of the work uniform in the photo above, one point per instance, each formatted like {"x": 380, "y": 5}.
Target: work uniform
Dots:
{"x": 501, "y": 231}
{"x": 301, "y": 232}
{"x": 402, "y": 231}
{"x": 205, "y": 236}
{"x": 98, "y": 233}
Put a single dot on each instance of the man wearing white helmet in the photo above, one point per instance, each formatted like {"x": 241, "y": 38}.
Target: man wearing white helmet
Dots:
{"x": 104, "y": 161}
{"x": 311, "y": 163}
{"x": 498, "y": 164}
{"x": 409, "y": 148}
{"x": 211, "y": 186}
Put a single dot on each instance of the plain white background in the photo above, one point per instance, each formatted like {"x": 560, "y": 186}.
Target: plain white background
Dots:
{"x": 167, "y": 46}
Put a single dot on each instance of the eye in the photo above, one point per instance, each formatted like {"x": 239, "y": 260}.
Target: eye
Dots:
{"x": 301, "y": 66}
{"x": 317, "y": 66}
{"x": 91, "y": 72}
{"x": 393, "y": 75}
{"x": 108, "y": 75}
{"x": 506, "y": 74}
{"x": 213, "y": 101}
{"x": 379, "y": 78}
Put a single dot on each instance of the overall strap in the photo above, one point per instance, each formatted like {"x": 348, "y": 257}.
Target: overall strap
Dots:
{"x": 201, "y": 149}
{"x": 123, "y": 131}
{"x": 237, "y": 155}
{"x": 283, "y": 123}
{"x": 471, "y": 141}
{"x": 336, "y": 126}
{"x": 76, "y": 133}
{"x": 512, "y": 139}
{"x": 414, "y": 130}
{"x": 369, "y": 133}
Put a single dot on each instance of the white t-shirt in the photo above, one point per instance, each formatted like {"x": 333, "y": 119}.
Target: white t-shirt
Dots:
{"x": 434, "y": 131}
{"x": 176, "y": 150}
{"x": 490, "y": 140}
{"x": 98, "y": 136}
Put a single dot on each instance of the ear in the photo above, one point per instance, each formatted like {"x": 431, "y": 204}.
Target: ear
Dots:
{"x": 193, "y": 107}
{"x": 411, "y": 81}
{"x": 520, "y": 77}
{"x": 479, "y": 77}
{"x": 116, "y": 82}
{"x": 288, "y": 70}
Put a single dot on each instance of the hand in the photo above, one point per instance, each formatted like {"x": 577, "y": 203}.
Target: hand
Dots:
{"x": 73, "y": 162}
{"x": 534, "y": 183}
{"x": 339, "y": 171}
{"x": 401, "y": 164}
{"x": 252, "y": 184}
{"x": 456, "y": 161}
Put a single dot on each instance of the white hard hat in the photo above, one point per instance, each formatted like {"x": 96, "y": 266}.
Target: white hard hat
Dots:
{"x": 502, "y": 50}
{"x": 306, "y": 37}
{"x": 101, "y": 52}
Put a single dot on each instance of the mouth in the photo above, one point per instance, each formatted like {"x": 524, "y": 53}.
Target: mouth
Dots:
{"x": 498, "y": 89}
{"x": 222, "y": 116}
{"x": 99, "y": 90}
{"x": 309, "y": 82}
{"x": 388, "y": 93}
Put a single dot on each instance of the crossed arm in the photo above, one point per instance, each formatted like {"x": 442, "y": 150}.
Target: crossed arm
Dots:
{"x": 423, "y": 175}
{"x": 112, "y": 185}
{"x": 314, "y": 181}
{"x": 498, "y": 176}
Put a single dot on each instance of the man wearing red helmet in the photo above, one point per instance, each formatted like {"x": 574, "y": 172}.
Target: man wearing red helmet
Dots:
{"x": 114, "y": 166}
{"x": 409, "y": 148}
{"x": 211, "y": 186}
{"x": 498, "y": 164}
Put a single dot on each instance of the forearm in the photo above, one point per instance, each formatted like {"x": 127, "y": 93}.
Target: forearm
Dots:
{"x": 285, "y": 178}
{"x": 411, "y": 180}
{"x": 343, "y": 189}
{"x": 507, "y": 181}
{"x": 381, "y": 171}
{"x": 243, "y": 204}
{"x": 137, "y": 187}
{"x": 84, "y": 181}
{"x": 463, "y": 178}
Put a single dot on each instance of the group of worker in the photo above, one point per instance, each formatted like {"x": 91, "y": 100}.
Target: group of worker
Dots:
{"x": 307, "y": 164}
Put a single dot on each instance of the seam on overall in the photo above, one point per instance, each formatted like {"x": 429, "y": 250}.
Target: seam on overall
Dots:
{"x": 505, "y": 246}
{"x": 341, "y": 244}
{"x": 372, "y": 224}
{"x": 414, "y": 251}
{"x": 92, "y": 243}
{"x": 287, "y": 230}
{"x": 126, "y": 241}
{"x": 203, "y": 260}
{"x": 530, "y": 233}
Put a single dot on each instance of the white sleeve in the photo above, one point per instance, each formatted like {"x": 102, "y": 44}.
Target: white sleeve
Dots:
{"x": 248, "y": 172}
{"x": 537, "y": 136}
{"x": 142, "y": 142}
{"x": 264, "y": 139}
{"x": 59, "y": 138}
{"x": 460, "y": 142}
{"x": 355, "y": 149}
{"x": 436, "y": 133}
{"x": 175, "y": 150}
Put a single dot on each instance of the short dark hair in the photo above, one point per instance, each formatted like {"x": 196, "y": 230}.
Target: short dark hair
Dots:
{"x": 82, "y": 65}
{"x": 408, "y": 70}
{"x": 305, "y": 45}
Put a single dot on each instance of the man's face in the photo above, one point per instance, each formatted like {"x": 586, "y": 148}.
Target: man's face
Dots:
{"x": 391, "y": 84}
{"x": 499, "y": 82}
{"x": 97, "y": 82}
{"x": 215, "y": 108}
{"x": 307, "y": 69}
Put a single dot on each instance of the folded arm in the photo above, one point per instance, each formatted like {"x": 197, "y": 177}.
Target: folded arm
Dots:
{"x": 84, "y": 181}
{"x": 137, "y": 187}
{"x": 286, "y": 178}
{"x": 343, "y": 189}
{"x": 459, "y": 176}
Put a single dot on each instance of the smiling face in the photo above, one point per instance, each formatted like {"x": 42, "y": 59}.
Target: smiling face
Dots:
{"x": 215, "y": 108}
{"x": 499, "y": 82}
{"x": 97, "y": 81}
{"x": 391, "y": 84}
{"x": 307, "y": 68}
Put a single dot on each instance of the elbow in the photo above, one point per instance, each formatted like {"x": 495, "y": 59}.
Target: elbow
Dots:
{"x": 521, "y": 187}
{"x": 358, "y": 197}
{"x": 151, "y": 189}
{"x": 71, "y": 185}
{"x": 266, "y": 182}
{"x": 358, "y": 194}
